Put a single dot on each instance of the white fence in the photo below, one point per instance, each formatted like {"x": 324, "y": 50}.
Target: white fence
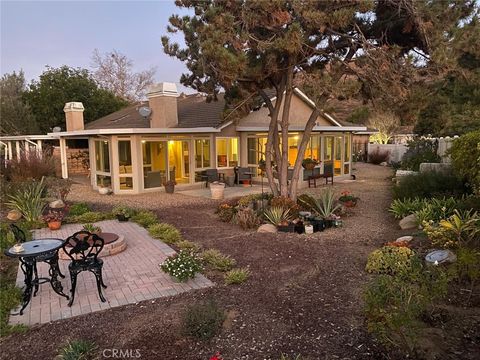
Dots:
{"x": 398, "y": 150}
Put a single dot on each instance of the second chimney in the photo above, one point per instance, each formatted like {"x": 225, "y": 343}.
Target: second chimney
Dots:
{"x": 162, "y": 99}
{"x": 74, "y": 116}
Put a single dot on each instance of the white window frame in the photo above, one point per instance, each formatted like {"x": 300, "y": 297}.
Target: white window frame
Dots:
{"x": 228, "y": 148}
{"x": 104, "y": 173}
{"x": 203, "y": 157}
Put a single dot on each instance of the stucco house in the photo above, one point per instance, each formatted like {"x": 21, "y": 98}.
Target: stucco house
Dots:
{"x": 177, "y": 136}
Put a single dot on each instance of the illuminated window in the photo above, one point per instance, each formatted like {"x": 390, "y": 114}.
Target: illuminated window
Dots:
{"x": 154, "y": 162}
{"x": 202, "y": 153}
{"x": 347, "y": 155}
{"x": 227, "y": 152}
{"x": 256, "y": 149}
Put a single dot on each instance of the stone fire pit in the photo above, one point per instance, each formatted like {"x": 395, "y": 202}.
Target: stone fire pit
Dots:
{"x": 114, "y": 244}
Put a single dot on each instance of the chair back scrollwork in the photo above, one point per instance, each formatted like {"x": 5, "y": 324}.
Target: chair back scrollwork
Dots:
{"x": 83, "y": 246}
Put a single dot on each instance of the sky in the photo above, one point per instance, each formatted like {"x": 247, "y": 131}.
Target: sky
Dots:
{"x": 55, "y": 33}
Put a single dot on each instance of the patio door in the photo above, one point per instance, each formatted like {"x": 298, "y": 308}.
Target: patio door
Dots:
{"x": 179, "y": 161}
{"x": 155, "y": 163}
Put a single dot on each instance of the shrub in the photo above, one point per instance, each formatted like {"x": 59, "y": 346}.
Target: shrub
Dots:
{"x": 401, "y": 208}
{"x": 278, "y": 215}
{"x": 226, "y": 212}
{"x": 467, "y": 266}
{"x": 78, "y": 209}
{"x": 286, "y": 203}
{"x": 323, "y": 206}
{"x": 394, "y": 304}
{"x": 10, "y": 297}
{"x": 183, "y": 266}
{"x": 247, "y": 200}
{"x": 58, "y": 188}
{"x": 77, "y": 350}
{"x": 247, "y": 219}
{"x": 237, "y": 276}
{"x": 391, "y": 260}
{"x": 91, "y": 228}
{"x": 30, "y": 166}
{"x": 427, "y": 185}
{"x": 215, "y": 260}
{"x": 29, "y": 201}
{"x": 145, "y": 218}
{"x": 471, "y": 202}
{"x": 420, "y": 151}
{"x": 203, "y": 320}
{"x": 378, "y": 156}
{"x": 188, "y": 245}
{"x": 465, "y": 153}
{"x": 88, "y": 217}
{"x": 122, "y": 210}
{"x": 169, "y": 234}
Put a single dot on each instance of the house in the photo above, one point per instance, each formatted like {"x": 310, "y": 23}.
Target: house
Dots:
{"x": 177, "y": 137}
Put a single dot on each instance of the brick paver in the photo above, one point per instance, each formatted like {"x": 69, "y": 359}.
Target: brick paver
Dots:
{"x": 131, "y": 276}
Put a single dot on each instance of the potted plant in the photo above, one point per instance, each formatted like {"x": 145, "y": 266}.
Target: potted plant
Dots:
{"x": 53, "y": 219}
{"x": 169, "y": 186}
{"x": 123, "y": 213}
{"x": 348, "y": 199}
{"x": 93, "y": 229}
{"x": 309, "y": 163}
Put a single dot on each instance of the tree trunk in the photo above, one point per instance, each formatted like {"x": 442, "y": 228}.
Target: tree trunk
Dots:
{"x": 285, "y": 122}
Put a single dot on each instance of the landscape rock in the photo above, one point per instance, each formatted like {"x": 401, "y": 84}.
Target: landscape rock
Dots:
{"x": 443, "y": 168}
{"x": 408, "y": 222}
{"x": 383, "y": 163}
{"x": 406, "y": 239}
{"x": 399, "y": 174}
{"x": 267, "y": 228}
{"x": 440, "y": 257}
{"x": 57, "y": 204}
{"x": 14, "y": 215}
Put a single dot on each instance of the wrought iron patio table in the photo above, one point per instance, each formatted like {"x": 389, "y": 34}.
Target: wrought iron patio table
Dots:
{"x": 32, "y": 252}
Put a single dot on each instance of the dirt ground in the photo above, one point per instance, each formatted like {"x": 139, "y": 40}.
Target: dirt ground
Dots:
{"x": 304, "y": 296}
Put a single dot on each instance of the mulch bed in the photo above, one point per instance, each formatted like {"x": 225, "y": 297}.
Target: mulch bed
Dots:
{"x": 304, "y": 296}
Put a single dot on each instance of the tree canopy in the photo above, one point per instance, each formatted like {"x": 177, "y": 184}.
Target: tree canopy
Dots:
{"x": 332, "y": 49}
{"x": 57, "y": 86}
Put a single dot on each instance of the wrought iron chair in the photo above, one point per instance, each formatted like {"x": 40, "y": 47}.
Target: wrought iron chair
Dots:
{"x": 50, "y": 258}
{"x": 243, "y": 173}
{"x": 83, "y": 248}
{"x": 209, "y": 176}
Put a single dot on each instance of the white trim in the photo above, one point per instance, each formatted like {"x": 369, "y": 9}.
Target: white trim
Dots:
{"x": 132, "y": 131}
{"x": 29, "y": 137}
{"x": 225, "y": 125}
{"x": 302, "y": 128}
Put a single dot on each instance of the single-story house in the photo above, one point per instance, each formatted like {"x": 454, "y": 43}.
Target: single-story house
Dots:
{"x": 176, "y": 137}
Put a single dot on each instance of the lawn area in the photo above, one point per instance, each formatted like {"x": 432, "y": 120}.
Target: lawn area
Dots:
{"x": 304, "y": 295}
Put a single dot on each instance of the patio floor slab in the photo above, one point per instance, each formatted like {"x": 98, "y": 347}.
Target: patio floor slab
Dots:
{"x": 230, "y": 191}
{"x": 131, "y": 276}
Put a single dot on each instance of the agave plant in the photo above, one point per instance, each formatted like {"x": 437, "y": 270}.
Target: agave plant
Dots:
{"x": 277, "y": 215}
{"x": 29, "y": 201}
{"x": 324, "y": 205}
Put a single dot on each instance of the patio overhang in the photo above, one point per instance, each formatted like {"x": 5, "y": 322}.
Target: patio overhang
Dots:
{"x": 302, "y": 128}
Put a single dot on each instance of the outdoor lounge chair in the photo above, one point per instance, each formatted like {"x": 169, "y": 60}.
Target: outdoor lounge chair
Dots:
{"x": 209, "y": 176}
{"x": 83, "y": 248}
{"x": 243, "y": 173}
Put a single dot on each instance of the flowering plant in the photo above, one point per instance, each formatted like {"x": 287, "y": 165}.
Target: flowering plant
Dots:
{"x": 217, "y": 356}
{"x": 53, "y": 216}
{"x": 182, "y": 266}
{"x": 347, "y": 196}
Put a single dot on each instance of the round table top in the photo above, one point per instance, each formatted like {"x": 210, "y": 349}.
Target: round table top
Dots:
{"x": 36, "y": 247}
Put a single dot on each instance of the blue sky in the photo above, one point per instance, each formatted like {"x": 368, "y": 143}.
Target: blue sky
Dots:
{"x": 39, "y": 33}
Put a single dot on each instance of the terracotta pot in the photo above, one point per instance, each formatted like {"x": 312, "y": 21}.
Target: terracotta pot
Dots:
{"x": 350, "y": 203}
{"x": 54, "y": 225}
{"x": 310, "y": 166}
{"x": 169, "y": 188}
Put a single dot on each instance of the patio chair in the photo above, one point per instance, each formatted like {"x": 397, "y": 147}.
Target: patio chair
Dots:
{"x": 83, "y": 248}
{"x": 209, "y": 176}
{"x": 50, "y": 258}
{"x": 243, "y": 173}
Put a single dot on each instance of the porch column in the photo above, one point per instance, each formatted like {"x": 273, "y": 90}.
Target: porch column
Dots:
{"x": 17, "y": 145}
{"x": 63, "y": 157}
{"x": 243, "y": 149}
{"x": 10, "y": 151}
{"x": 39, "y": 147}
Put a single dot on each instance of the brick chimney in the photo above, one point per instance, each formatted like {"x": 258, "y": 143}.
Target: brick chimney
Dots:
{"x": 74, "y": 116}
{"x": 162, "y": 99}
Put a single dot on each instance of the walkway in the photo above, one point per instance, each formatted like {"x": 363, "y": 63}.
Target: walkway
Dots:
{"x": 131, "y": 276}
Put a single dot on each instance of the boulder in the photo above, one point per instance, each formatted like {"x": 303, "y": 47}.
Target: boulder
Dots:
{"x": 57, "y": 204}
{"x": 267, "y": 228}
{"x": 443, "y": 168}
{"x": 399, "y": 174}
{"x": 406, "y": 239}
{"x": 14, "y": 215}
{"x": 408, "y": 222}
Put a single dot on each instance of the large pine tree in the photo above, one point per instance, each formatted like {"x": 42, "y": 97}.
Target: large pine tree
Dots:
{"x": 334, "y": 48}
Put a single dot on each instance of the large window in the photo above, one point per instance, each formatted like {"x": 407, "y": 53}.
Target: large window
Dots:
{"x": 328, "y": 149}
{"x": 313, "y": 148}
{"x": 125, "y": 164}
{"x": 154, "y": 163}
{"x": 227, "y": 152}
{"x": 337, "y": 168}
{"x": 292, "y": 149}
{"x": 347, "y": 155}
{"x": 256, "y": 147}
{"x": 179, "y": 161}
{"x": 202, "y": 153}
{"x": 102, "y": 163}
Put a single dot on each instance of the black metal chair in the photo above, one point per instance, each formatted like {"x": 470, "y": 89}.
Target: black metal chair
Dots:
{"x": 50, "y": 258}
{"x": 328, "y": 172}
{"x": 243, "y": 173}
{"x": 209, "y": 176}
{"x": 83, "y": 248}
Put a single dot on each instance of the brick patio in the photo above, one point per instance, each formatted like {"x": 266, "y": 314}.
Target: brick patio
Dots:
{"x": 131, "y": 276}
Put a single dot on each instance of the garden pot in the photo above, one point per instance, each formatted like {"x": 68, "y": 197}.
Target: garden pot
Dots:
{"x": 217, "y": 189}
{"x": 231, "y": 181}
{"x": 290, "y": 228}
{"x": 169, "y": 188}
{"x": 299, "y": 227}
{"x": 349, "y": 204}
{"x": 309, "y": 166}
{"x": 329, "y": 223}
{"x": 104, "y": 190}
{"x": 54, "y": 225}
{"x": 318, "y": 224}
{"x": 122, "y": 218}
{"x": 308, "y": 229}
{"x": 246, "y": 182}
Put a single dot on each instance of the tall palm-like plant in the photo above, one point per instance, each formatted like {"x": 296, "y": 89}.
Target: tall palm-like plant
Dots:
{"x": 323, "y": 206}
{"x": 29, "y": 201}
